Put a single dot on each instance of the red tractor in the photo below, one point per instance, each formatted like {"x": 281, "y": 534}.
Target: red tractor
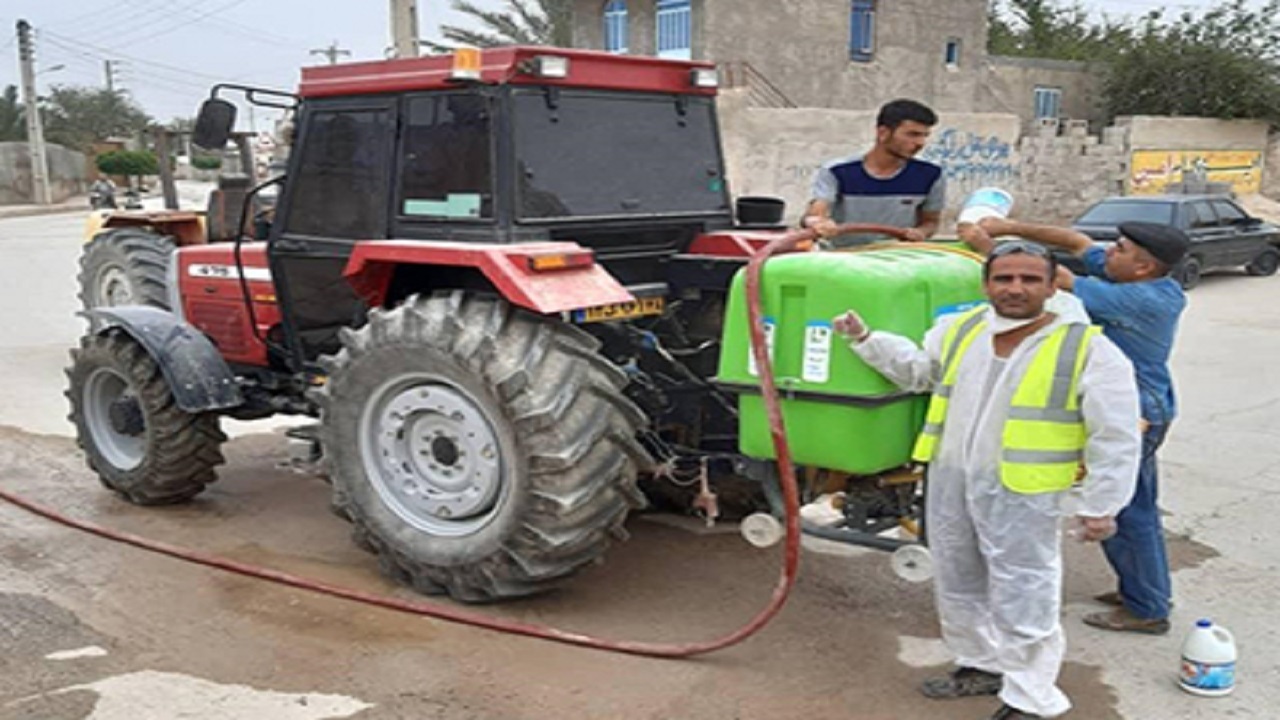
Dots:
{"x": 498, "y": 285}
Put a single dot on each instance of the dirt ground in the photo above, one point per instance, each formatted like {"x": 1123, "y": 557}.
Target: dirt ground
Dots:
{"x": 852, "y": 643}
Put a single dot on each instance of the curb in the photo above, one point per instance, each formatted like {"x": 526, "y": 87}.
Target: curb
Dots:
{"x": 41, "y": 210}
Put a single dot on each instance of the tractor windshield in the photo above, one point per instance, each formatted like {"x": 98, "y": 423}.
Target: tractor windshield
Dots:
{"x": 590, "y": 154}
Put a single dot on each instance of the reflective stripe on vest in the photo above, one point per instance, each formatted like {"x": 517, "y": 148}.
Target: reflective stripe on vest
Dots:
{"x": 954, "y": 344}
{"x": 1044, "y": 434}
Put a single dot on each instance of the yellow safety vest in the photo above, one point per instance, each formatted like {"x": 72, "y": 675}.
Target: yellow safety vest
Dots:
{"x": 1044, "y": 434}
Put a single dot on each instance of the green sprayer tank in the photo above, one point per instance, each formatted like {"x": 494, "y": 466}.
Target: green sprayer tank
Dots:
{"x": 839, "y": 413}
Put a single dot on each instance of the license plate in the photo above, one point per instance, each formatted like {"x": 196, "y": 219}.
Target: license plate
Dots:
{"x": 641, "y": 307}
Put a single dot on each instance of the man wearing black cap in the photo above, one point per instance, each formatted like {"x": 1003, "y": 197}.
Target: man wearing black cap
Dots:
{"x": 1129, "y": 293}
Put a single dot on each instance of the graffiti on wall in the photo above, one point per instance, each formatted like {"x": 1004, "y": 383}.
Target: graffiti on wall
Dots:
{"x": 1152, "y": 171}
{"x": 970, "y": 160}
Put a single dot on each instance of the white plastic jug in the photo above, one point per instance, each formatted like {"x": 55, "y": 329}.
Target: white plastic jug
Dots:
{"x": 1208, "y": 660}
{"x": 984, "y": 203}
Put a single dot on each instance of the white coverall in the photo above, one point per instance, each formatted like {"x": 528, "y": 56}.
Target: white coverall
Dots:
{"x": 997, "y": 554}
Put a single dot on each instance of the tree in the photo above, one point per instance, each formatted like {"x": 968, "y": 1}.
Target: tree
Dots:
{"x": 1047, "y": 29}
{"x": 12, "y": 122}
{"x": 1224, "y": 63}
{"x": 77, "y": 117}
{"x": 525, "y": 22}
{"x": 131, "y": 163}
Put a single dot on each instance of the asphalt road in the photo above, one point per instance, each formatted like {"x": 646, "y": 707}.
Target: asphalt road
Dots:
{"x": 95, "y": 630}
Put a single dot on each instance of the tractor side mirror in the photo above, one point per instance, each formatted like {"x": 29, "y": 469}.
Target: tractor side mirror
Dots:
{"x": 214, "y": 123}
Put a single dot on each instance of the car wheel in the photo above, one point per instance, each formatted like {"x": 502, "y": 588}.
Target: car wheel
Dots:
{"x": 1189, "y": 273}
{"x": 1267, "y": 262}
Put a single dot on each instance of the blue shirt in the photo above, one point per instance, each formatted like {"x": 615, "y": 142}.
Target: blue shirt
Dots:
{"x": 1141, "y": 318}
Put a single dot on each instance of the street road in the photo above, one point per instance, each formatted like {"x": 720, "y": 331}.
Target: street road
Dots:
{"x": 94, "y": 630}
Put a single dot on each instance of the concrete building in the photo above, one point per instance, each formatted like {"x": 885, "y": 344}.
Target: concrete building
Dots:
{"x": 845, "y": 54}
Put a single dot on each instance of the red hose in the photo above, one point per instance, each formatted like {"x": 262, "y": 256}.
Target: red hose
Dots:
{"x": 790, "y": 494}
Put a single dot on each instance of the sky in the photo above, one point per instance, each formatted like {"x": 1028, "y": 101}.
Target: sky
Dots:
{"x": 170, "y": 52}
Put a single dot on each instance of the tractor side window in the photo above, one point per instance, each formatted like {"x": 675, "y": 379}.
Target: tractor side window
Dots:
{"x": 446, "y": 155}
{"x": 342, "y": 175}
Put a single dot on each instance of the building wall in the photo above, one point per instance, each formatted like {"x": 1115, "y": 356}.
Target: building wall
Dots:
{"x": 802, "y": 48}
{"x": 1010, "y": 85}
{"x": 1197, "y": 154}
{"x": 1271, "y": 176}
{"x": 1052, "y": 177}
{"x": 67, "y": 173}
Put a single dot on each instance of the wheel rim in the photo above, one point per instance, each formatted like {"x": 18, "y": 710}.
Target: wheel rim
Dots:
{"x": 431, "y": 453}
{"x": 122, "y": 446}
{"x": 113, "y": 287}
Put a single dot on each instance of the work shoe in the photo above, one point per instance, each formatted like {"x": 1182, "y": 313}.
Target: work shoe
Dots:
{"x": 962, "y": 682}
{"x": 1007, "y": 712}
{"x": 1121, "y": 620}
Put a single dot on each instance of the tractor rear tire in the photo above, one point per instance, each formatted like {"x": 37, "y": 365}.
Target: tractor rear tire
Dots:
{"x": 125, "y": 266}
{"x": 134, "y": 435}
{"x": 478, "y": 450}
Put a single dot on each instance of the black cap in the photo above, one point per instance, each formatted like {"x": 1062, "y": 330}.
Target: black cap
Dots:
{"x": 1166, "y": 243}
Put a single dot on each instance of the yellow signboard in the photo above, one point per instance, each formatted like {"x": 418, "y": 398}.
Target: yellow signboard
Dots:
{"x": 1151, "y": 171}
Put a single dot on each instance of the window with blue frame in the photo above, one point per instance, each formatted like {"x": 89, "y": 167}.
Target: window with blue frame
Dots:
{"x": 951, "y": 55}
{"x": 675, "y": 29}
{"x": 1048, "y": 102}
{"x": 615, "y": 26}
{"x": 862, "y": 30}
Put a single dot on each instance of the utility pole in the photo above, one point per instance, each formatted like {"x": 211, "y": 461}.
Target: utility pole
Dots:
{"x": 404, "y": 28}
{"x": 110, "y": 68}
{"x": 332, "y": 52}
{"x": 41, "y": 193}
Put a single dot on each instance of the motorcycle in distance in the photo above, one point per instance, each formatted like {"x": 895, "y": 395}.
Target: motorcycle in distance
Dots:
{"x": 102, "y": 195}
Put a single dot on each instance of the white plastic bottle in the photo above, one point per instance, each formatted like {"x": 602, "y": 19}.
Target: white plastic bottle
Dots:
{"x": 1208, "y": 660}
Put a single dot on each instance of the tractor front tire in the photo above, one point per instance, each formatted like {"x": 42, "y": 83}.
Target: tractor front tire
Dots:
{"x": 478, "y": 450}
{"x": 125, "y": 266}
{"x": 134, "y": 435}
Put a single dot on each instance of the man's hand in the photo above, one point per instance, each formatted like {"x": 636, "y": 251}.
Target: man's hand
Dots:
{"x": 913, "y": 235}
{"x": 1064, "y": 279}
{"x": 824, "y": 226}
{"x": 851, "y": 326}
{"x": 973, "y": 235}
{"x": 996, "y": 227}
{"x": 1096, "y": 529}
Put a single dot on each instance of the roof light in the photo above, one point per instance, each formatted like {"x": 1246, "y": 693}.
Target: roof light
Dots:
{"x": 466, "y": 64}
{"x": 550, "y": 66}
{"x": 704, "y": 78}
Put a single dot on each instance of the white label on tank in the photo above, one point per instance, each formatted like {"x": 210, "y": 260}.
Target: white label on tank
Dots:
{"x": 817, "y": 352}
{"x": 768, "y": 344}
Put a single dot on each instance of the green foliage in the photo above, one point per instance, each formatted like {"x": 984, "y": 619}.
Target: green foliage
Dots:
{"x": 1224, "y": 63}
{"x": 524, "y": 22}
{"x": 1047, "y": 29}
{"x": 13, "y": 125}
{"x": 77, "y": 117}
{"x": 128, "y": 162}
{"x": 206, "y": 162}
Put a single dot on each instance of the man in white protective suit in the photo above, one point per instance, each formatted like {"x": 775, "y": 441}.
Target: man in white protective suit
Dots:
{"x": 1026, "y": 404}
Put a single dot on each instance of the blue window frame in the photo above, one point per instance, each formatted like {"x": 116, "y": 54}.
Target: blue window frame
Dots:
{"x": 615, "y": 26}
{"x": 951, "y": 56}
{"x": 675, "y": 33}
{"x": 862, "y": 30}
{"x": 1048, "y": 102}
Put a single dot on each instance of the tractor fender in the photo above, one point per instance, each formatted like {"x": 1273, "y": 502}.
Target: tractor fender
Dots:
{"x": 545, "y": 277}
{"x": 197, "y": 375}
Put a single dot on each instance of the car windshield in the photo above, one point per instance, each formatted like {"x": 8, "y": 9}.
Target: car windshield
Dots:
{"x": 1115, "y": 212}
{"x": 584, "y": 154}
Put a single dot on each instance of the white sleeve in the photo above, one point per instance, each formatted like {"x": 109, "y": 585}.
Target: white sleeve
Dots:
{"x": 901, "y": 361}
{"x": 825, "y": 187}
{"x": 1109, "y": 401}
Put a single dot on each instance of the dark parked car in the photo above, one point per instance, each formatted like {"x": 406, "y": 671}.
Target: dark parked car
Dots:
{"x": 1222, "y": 234}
